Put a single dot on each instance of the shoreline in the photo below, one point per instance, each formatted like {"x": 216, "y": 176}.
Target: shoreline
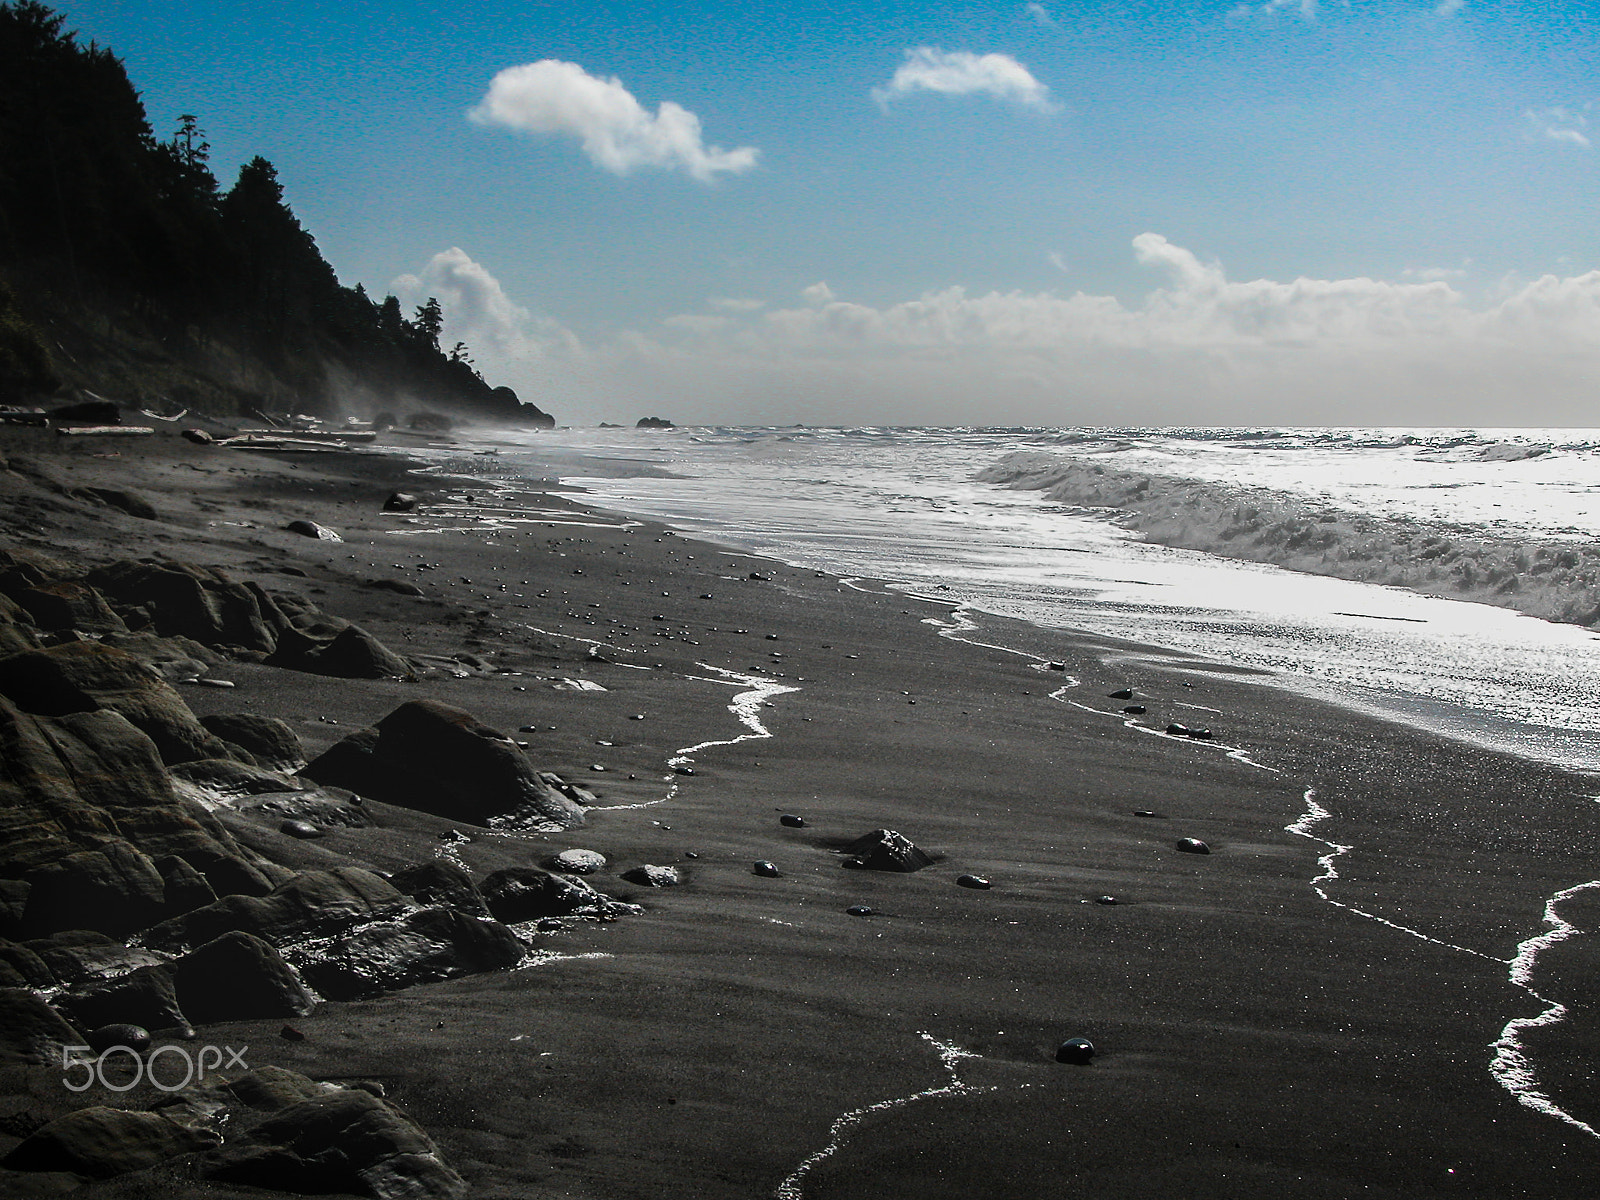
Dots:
{"x": 1252, "y": 1035}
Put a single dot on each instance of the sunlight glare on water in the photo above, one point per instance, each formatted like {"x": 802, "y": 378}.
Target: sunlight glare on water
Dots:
{"x": 901, "y": 505}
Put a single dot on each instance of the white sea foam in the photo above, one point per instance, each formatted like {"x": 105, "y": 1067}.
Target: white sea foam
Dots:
{"x": 1511, "y": 1065}
{"x": 950, "y": 1056}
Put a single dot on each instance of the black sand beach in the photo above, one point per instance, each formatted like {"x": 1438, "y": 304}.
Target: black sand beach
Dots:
{"x": 1265, "y": 1024}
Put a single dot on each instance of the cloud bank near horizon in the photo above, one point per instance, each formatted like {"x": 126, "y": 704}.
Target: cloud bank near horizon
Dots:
{"x": 1198, "y": 348}
{"x": 615, "y": 131}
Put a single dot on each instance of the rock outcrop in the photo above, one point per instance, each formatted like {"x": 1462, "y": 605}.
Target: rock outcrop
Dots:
{"x": 434, "y": 757}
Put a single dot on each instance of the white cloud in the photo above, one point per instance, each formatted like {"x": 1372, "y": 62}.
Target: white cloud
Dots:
{"x": 1557, "y": 125}
{"x": 508, "y": 343}
{"x": 616, "y": 131}
{"x": 1039, "y": 13}
{"x": 960, "y": 73}
{"x": 1305, "y": 9}
{"x": 736, "y": 303}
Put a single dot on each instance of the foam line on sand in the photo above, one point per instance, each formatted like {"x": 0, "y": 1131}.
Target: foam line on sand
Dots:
{"x": 950, "y": 1056}
{"x": 1510, "y": 1066}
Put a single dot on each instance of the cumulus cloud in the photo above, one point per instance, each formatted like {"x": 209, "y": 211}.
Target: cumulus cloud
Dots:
{"x": 509, "y": 343}
{"x": 1557, "y": 125}
{"x": 960, "y": 73}
{"x": 616, "y": 132}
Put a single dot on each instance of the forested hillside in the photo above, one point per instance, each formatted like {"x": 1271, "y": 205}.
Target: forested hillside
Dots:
{"x": 128, "y": 269}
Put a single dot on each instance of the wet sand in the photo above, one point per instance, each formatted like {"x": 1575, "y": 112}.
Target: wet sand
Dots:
{"x": 1273, "y": 1018}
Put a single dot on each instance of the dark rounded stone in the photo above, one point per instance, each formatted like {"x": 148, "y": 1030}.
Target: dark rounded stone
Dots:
{"x": 1123, "y": 694}
{"x": 683, "y": 770}
{"x": 1133, "y": 710}
{"x": 1077, "y": 1051}
{"x": 973, "y": 881}
{"x": 859, "y": 910}
{"x": 300, "y": 829}
{"x": 1193, "y": 846}
{"x": 1057, "y": 666}
{"x": 1177, "y": 730}
{"x": 765, "y": 868}
{"x": 1107, "y": 900}
{"x": 1148, "y": 812}
{"x": 1200, "y": 735}
{"x": 134, "y": 1037}
{"x": 792, "y": 821}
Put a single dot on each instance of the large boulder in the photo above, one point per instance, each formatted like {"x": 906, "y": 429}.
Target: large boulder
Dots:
{"x": 353, "y": 653}
{"x": 203, "y": 603}
{"x": 101, "y": 1142}
{"x": 311, "y": 902}
{"x": 83, "y": 676}
{"x": 434, "y": 757}
{"x": 31, "y": 1031}
{"x": 419, "y": 947}
{"x": 271, "y": 742}
{"x": 238, "y": 977}
{"x": 68, "y": 605}
{"x": 146, "y": 997}
{"x": 345, "y": 1141}
{"x": 437, "y": 881}
{"x": 528, "y": 893}
{"x": 82, "y": 780}
{"x": 114, "y": 888}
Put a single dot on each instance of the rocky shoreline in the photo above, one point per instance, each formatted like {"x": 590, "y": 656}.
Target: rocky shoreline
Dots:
{"x": 512, "y": 840}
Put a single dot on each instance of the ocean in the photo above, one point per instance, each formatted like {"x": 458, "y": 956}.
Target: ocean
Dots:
{"x": 1017, "y": 522}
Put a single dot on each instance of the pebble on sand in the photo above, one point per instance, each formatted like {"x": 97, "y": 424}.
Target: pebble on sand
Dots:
{"x": 134, "y": 1037}
{"x": 1193, "y": 846}
{"x": 792, "y": 821}
{"x": 973, "y": 881}
{"x": 859, "y": 910}
{"x": 1121, "y": 694}
{"x": 764, "y": 868}
{"x": 311, "y": 529}
{"x": 578, "y": 862}
{"x": 1077, "y": 1051}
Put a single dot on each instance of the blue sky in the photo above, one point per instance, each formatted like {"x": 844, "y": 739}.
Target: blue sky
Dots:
{"x": 1287, "y": 211}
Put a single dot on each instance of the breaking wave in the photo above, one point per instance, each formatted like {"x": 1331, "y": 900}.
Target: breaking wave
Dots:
{"x": 1558, "y": 580}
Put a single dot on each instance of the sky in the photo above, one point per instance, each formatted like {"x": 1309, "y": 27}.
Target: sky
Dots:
{"x": 1274, "y": 212}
